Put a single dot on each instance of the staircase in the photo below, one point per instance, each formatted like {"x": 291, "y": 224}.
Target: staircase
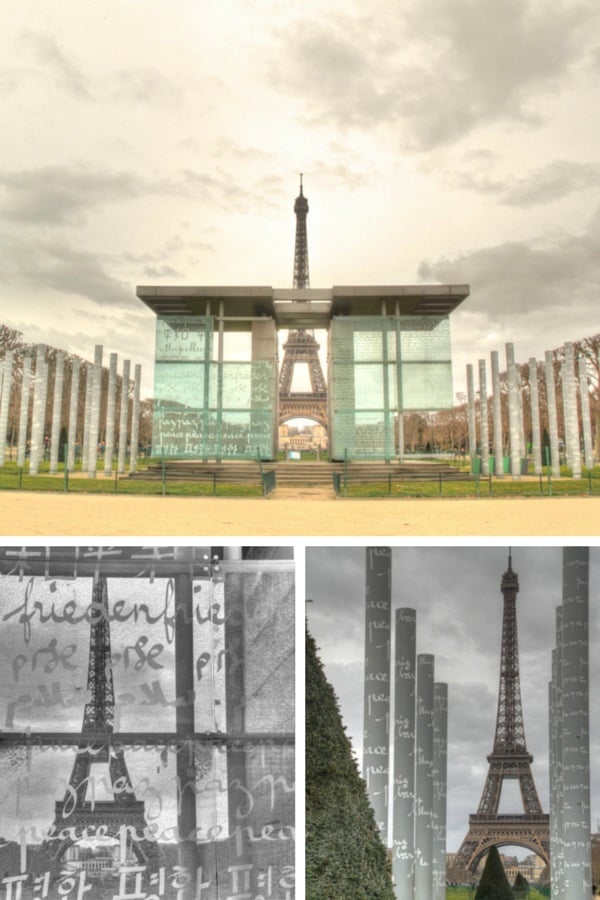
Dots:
{"x": 292, "y": 473}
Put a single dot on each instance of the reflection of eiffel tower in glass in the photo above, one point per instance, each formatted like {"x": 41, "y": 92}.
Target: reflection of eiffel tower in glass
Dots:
{"x": 301, "y": 345}
{"x": 508, "y": 760}
{"x": 75, "y": 812}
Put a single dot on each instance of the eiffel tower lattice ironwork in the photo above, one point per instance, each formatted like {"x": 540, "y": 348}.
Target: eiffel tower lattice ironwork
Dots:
{"x": 509, "y": 759}
{"x": 301, "y": 345}
{"x": 75, "y": 815}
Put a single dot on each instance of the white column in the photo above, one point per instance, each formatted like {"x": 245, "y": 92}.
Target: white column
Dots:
{"x": 535, "y": 416}
{"x": 39, "y": 410}
{"x": 124, "y": 415}
{"x": 24, "y": 411}
{"x": 440, "y": 779}
{"x": 497, "y": 414}
{"x": 514, "y": 430}
{"x": 424, "y": 780}
{"x": 483, "y": 410}
{"x": 135, "y": 418}
{"x": 5, "y": 402}
{"x": 404, "y": 754}
{"x": 110, "y": 414}
{"x": 555, "y": 761}
{"x": 73, "y": 411}
{"x": 552, "y": 415}
{"x": 89, "y": 388}
{"x": 574, "y": 681}
{"x": 571, "y": 418}
{"x": 584, "y": 394}
{"x": 59, "y": 370}
{"x": 377, "y": 682}
{"x": 95, "y": 413}
{"x": 472, "y": 429}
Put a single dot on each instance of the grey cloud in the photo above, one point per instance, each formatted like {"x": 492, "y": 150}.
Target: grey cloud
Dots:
{"x": 52, "y": 265}
{"x": 432, "y": 71}
{"x": 67, "y": 73}
{"x": 544, "y": 185}
{"x": 549, "y": 274}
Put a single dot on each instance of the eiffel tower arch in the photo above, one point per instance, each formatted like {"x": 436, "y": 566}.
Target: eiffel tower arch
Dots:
{"x": 302, "y": 347}
{"x": 509, "y": 760}
{"x": 76, "y": 816}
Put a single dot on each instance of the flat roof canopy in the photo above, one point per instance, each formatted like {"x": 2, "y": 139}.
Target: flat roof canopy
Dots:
{"x": 304, "y": 307}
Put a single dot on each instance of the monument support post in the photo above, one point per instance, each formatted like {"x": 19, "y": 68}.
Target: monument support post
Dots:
{"x": 440, "y": 779}
{"x": 574, "y": 698}
{"x": 403, "y": 841}
{"x": 135, "y": 418}
{"x": 584, "y": 395}
{"x": 552, "y": 414}
{"x": 571, "y": 418}
{"x": 123, "y": 417}
{"x": 24, "y": 411}
{"x": 73, "y": 415}
{"x": 109, "y": 448}
{"x": 424, "y": 779}
{"x": 5, "y": 402}
{"x": 535, "y": 416}
{"x": 94, "y": 421}
{"x": 483, "y": 411}
{"x": 377, "y": 683}
{"x": 39, "y": 410}
{"x": 472, "y": 429}
{"x": 59, "y": 373}
{"x": 497, "y": 415}
{"x": 513, "y": 412}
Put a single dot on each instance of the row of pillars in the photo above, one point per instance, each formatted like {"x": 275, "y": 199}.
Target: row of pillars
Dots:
{"x": 415, "y": 795}
{"x": 517, "y": 441}
{"x": 36, "y": 378}
{"x": 570, "y": 828}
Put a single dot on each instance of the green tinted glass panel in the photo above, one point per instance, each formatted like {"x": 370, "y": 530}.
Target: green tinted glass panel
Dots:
{"x": 424, "y": 338}
{"x": 427, "y": 386}
{"x": 183, "y": 338}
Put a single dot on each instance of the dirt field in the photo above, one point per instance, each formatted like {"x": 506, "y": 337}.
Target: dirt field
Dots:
{"x": 302, "y": 514}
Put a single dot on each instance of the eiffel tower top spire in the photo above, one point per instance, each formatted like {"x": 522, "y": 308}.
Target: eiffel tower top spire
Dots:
{"x": 510, "y": 729}
{"x": 301, "y": 279}
{"x": 99, "y": 712}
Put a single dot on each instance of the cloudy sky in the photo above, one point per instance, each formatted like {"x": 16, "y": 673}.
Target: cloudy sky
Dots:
{"x": 456, "y": 593}
{"x": 160, "y": 143}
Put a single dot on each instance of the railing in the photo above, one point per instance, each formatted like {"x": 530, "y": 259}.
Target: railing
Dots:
{"x": 269, "y": 482}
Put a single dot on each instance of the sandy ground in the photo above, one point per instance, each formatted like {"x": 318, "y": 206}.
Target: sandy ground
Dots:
{"x": 293, "y": 513}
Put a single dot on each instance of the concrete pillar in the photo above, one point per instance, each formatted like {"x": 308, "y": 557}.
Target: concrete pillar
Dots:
{"x": 555, "y": 764}
{"x": 39, "y": 410}
{"x": 5, "y": 402}
{"x": 24, "y": 411}
{"x": 552, "y": 415}
{"x": 377, "y": 682}
{"x": 424, "y": 779}
{"x": 124, "y": 415}
{"x": 92, "y": 461}
{"x": 404, "y": 754}
{"x": 571, "y": 418}
{"x": 584, "y": 394}
{"x": 264, "y": 347}
{"x": 59, "y": 371}
{"x": 85, "y": 445}
{"x": 575, "y": 751}
{"x": 483, "y": 411}
{"x": 73, "y": 411}
{"x": 497, "y": 415}
{"x": 535, "y": 416}
{"x": 184, "y": 717}
{"x": 135, "y": 418}
{"x": 109, "y": 449}
{"x": 440, "y": 781}
{"x": 472, "y": 429}
{"x": 513, "y": 412}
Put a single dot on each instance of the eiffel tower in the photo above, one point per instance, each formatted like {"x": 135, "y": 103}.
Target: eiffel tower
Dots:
{"x": 301, "y": 345}
{"x": 508, "y": 760}
{"x": 75, "y": 813}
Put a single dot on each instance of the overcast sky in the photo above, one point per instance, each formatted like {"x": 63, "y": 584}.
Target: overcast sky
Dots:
{"x": 456, "y": 592}
{"x": 160, "y": 143}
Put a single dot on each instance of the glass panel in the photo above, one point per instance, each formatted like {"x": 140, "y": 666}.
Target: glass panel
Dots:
{"x": 182, "y": 383}
{"x": 424, "y": 339}
{"x": 183, "y": 337}
{"x": 427, "y": 386}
